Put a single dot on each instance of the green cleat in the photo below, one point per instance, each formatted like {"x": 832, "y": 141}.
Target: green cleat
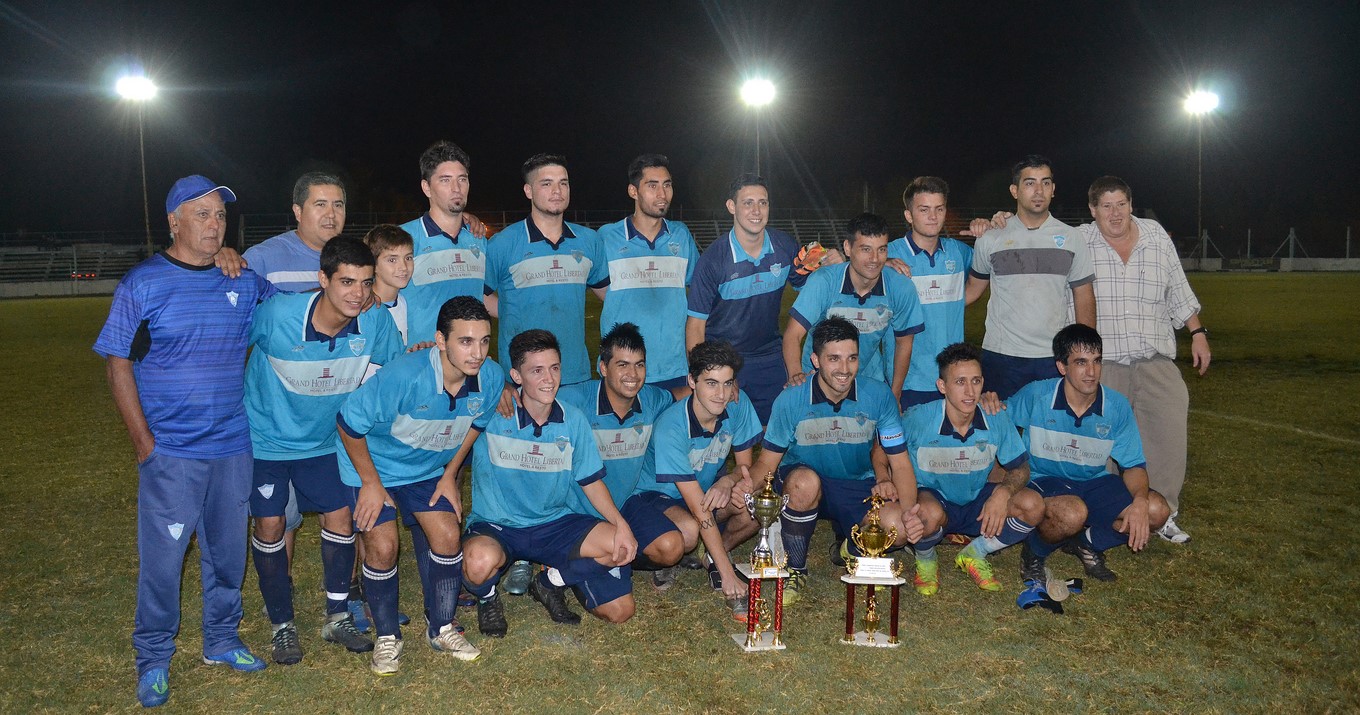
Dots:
{"x": 795, "y": 583}
{"x": 927, "y": 580}
{"x": 978, "y": 568}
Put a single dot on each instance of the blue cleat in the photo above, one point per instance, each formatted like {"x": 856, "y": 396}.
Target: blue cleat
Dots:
{"x": 359, "y": 610}
{"x": 153, "y": 687}
{"x": 240, "y": 659}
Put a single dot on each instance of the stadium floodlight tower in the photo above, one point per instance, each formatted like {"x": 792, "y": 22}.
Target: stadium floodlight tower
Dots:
{"x": 140, "y": 89}
{"x": 757, "y": 93}
{"x": 1199, "y": 104}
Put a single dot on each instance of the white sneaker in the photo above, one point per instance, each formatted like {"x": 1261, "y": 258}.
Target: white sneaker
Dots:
{"x": 1173, "y": 533}
{"x": 453, "y": 643}
{"x": 386, "y": 655}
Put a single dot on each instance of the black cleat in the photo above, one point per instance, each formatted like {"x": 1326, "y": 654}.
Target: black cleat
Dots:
{"x": 491, "y": 617}
{"x": 1092, "y": 561}
{"x": 554, "y": 600}
{"x": 1031, "y": 566}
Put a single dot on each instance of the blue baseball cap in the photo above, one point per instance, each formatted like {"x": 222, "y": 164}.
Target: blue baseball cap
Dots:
{"x": 194, "y": 187}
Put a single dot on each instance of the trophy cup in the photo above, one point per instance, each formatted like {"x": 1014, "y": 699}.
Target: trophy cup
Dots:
{"x": 872, "y": 570}
{"x": 764, "y": 626}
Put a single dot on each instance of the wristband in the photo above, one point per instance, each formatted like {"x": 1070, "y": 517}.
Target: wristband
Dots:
{"x": 1200, "y": 329}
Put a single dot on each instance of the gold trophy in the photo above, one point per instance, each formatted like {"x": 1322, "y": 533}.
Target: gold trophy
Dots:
{"x": 872, "y": 570}
{"x": 764, "y": 625}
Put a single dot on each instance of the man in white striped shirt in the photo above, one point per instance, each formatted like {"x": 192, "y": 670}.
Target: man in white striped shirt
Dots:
{"x": 1142, "y": 297}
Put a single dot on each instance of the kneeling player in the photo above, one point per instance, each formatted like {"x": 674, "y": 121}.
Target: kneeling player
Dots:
{"x": 404, "y": 435}
{"x": 823, "y": 431}
{"x": 622, "y": 410}
{"x": 1073, "y": 426}
{"x": 953, "y": 446}
{"x": 524, "y": 468}
{"x": 693, "y": 438}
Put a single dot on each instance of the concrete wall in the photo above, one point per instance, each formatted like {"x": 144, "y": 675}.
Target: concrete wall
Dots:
{"x": 1277, "y": 264}
{"x": 1320, "y": 264}
{"x": 57, "y": 288}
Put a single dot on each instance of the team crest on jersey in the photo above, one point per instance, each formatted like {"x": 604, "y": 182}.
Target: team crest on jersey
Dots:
{"x": 475, "y": 251}
{"x": 231, "y": 296}
{"x": 578, "y": 256}
{"x": 981, "y": 444}
{"x": 950, "y": 265}
{"x": 474, "y": 405}
{"x": 266, "y": 490}
{"x": 1103, "y": 430}
{"x": 356, "y": 345}
{"x": 638, "y": 429}
{"x": 777, "y": 270}
{"x": 881, "y": 309}
{"x": 1059, "y": 241}
{"x": 674, "y": 249}
{"x": 562, "y": 443}
{"x": 175, "y": 530}
{"x": 861, "y": 418}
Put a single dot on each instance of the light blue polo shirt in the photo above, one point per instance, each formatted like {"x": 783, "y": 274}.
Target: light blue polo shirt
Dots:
{"x": 888, "y": 311}
{"x": 1063, "y": 445}
{"x": 685, "y": 452}
{"x": 834, "y": 438}
{"x": 625, "y": 444}
{"x": 957, "y": 465}
{"x": 940, "y": 278}
{"x": 647, "y": 282}
{"x": 445, "y": 267}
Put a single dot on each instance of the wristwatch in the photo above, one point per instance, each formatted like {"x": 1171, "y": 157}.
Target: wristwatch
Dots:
{"x": 1200, "y": 329}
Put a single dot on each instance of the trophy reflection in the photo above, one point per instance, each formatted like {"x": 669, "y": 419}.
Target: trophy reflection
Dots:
{"x": 871, "y": 570}
{"x": 764, "y": 623}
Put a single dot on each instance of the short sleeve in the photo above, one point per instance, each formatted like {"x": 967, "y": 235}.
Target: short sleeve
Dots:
{"x": 125, "y": 317}
{"x": 783, "y": 420}
{"x": 703, "y": 289}
{"x": 586, "y": 465}
{"x": 1010, "y": 449}
{"x": 982, "y": 257}
{"x": 670, "y": 440}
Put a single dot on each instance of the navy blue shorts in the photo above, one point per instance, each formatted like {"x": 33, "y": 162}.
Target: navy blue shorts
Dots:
{"x": 963, "y": 518}
{"x": 762, "y": 379}
{"x": 410, "y": 498}
{"x": 1106, "y": 496}
{"x": 842, "y": 499}
{"x": 1006, "y": 374}
{"x": 315, "y": 480}
{"x": 912, "y": 398}
{"x": 551, "y": 544}
{"x": 608, "y": 585}
{"x": 647, "y": 522}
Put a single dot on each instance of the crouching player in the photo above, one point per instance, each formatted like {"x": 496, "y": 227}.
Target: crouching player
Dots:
{"x": 311, "y": 350}
{"x": 820, "y": 437}
{"x": 403, "y": 434}
{"x": 1073, "y": 426}
{"x": 622, "y": 410}
{"x": 953, "y": 446}
{"x": 692, "y": 440}
{"x": 524, "y": 469}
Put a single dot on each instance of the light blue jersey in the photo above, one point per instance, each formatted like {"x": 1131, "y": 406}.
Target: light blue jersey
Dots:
{"x": 412, "y": 424}
{"x": 542, "y": 285}
{"x": 1077, "y": 448}
{"x": 940, "y": 278}
{"x": 889, "y": 311}
{"x": 297, "y": 378}
{"x": 625, "y": 444}
{"x": 834, "y": 439}
{"x": 286, "y": 261}
{"x": 686, "y": 453}
{"x": 524, "y": 474}
{"x": 445, "y": 267}
{"x": 647, "y": 282}
{"x": 957, "y": 465}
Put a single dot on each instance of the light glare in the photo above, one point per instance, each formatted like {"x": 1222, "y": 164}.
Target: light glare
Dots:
{"x": 757, "y": 92}
{"x": 136, "y": 88}
{"x": 1201, "y": 102}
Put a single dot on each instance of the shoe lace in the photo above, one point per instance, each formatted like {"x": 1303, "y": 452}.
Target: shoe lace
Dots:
{"x": 385, "y": 649}
{"x": 491, "y": 613}
{"x": 346, "y": 627}
{"x": 285, "y": 639}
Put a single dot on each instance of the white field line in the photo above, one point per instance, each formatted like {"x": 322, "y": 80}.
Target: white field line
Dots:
{"x": 1275, "y": 426}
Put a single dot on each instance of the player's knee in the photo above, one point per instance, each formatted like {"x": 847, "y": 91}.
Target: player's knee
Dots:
{"x": 1027, "y": 506}
{"x": 269, "y": 528}
{"x": 340, "y": 521}
{"x": 444, "y": 540}
{"x": 1158, "y": 510}
{"x": 932, "y": 515}
{"x": 666, "y": 549}
{"x": 1064, "y": 515}
{"x": 480, "y": 561}
{"x": 616, "y": 611}
{"x": 803, "y": 488}
{"x": 380, "y": 555}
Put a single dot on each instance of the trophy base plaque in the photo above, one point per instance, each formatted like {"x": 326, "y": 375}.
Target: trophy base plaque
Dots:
{"x": 875, "y": 568}
{"x": 765, "y": 641}
{"x": 879, "y": 640}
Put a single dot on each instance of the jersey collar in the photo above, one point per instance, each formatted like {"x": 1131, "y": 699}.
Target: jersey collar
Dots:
{"x": 524, "y": 419}
{"x": 537, "y": 235}
{"x": 630, "y": 231}
{"x": 433, "y": 229}
{"x": 916, "y": 250}
{"x": 947, "y": 428}
{"x": 470, "y": 383}
{"x": 311, "y": 334}
{"x": 1060, "y": 403}
{"x": 603, "y": 407}
{"x": 739, "y": 254}
{"x": 848, "y": 286}
{"x": 818, "y": 396}
{"x": 697, "y": 430}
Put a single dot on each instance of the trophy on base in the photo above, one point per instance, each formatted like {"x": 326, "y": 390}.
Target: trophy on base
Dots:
{"x": 872, "y": 570}
{"x": 764, "y": 624}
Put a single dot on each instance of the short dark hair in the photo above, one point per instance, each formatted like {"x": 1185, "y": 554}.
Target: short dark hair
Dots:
{"x": 1075, "y": 337}
{"x": 535, "y": 340}
{"x": 957, "y": 353}
{"x": 711, "y": 354}
{"x": 1033, "y": 161}
{"x": 646, "y": 161}
{"x": 385, "y": 236}
{"x": 865, "y": 224}
{"x": 833, "y": 329}
{"x": 440, "y": 152}
{"x": 626, "y": 336}
{"x": 925, "y": 185}
{"x": 463, "y": 307}
{"x": 1105, "y": 185}
{"x": 744, "y": 181}
{"x": 344, "y": 250}
{"x": 303, "y": 186}
{"x": 538, "y": 161}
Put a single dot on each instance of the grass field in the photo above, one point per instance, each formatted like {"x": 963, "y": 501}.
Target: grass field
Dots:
{"x": 1258, "y": 614}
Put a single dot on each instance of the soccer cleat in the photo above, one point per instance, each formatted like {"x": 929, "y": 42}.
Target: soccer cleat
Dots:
{"x": 516, "y": 579}
{"x": 1172, "y": 532}
{"x": 714, "y": 578}
{"x": 1092, "y": 561}
{"x": 978, "y": 568}
{"x": 796, "y": 582}
{"x": 491, "y": 617}
{"x": 927, "y": 579}
{"x": 286, "y": 650}
{"x": 359, "y": 610}
{"x": 663, "y": 579}
{"x": 452, "y": 642}
{"x": 840, "y": 553}
{"x": 554, "y": 599}
{"x": 386, "y": 656}
{"x": 739, "y": 608}
{"x": 690, "y": 563}
{"x": 340, "y": 629}
{"x": 1031, "y": 565}
{"x": 240, "y": 659}
{"x": 153, "y": 687}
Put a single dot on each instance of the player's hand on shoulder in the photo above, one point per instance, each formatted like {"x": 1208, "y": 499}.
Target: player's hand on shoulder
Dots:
{"x": 509, "y": 399}
{"x": 990, "y": 404}
{"x": 475, "y": 225}
{"x": 420, "y": 346}
{"x": 230, "y": 262}
{"x": 796, "y": 379}
{"x": 899, "y": 265}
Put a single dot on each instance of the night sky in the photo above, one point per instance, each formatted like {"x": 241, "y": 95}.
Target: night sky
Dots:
{"x": 869, "y": 94}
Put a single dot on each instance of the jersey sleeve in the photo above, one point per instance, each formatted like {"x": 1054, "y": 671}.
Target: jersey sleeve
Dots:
{"x": 746, "y": 429}
{"x": 780, "y": 432}
{"x": 1010, "y": 449}
{"x": 689, "y": 250}
{"x": 670, "y": 441}
{"x": 1082, "y": 270}
{"x": 1128, "y": 442}
{"x": 703, "y": 289}
{"x": 586, "y": 465}
{"x": 372, "y": 404}
{"x": 909, "y": 318}
{"x": 493, "y": 378}
{"x": 810, "y": 304}
{"x": 891, "y": 435}
{"x": 494, "y": 262}
{"x": 257, "y": 259}
{"x": 388, "y": 345}
{"x": 125, "y": 318}
{"x": 599, "y": 267}
{"x": 982, "y": 257}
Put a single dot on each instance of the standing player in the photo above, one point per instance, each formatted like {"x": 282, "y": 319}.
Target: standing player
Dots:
{"x": 1142, "y": 297}
{"x": 882, "y": 306}
{"x": 651, "y": 260}
{"x": 1032, "y": 265}
{"x": 953, "y": 446}
{"x": 738, "y": 291}
{"x": 820, "y": 437}
{"x": 1073, "y": 426}
{"x": 692, "y": 440}
{"x": 290, "y": 259}
{"x": 404, "y": 434}
{"x": 394, "y": 260}
{"x": 310, "y": 351}
{"x": 175, "y": 349}
{"x": 540, "y": 269}
{"x": 939, "y": 269}
{"x": 525, "y": 469}
{"x": 621, "y": 410}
